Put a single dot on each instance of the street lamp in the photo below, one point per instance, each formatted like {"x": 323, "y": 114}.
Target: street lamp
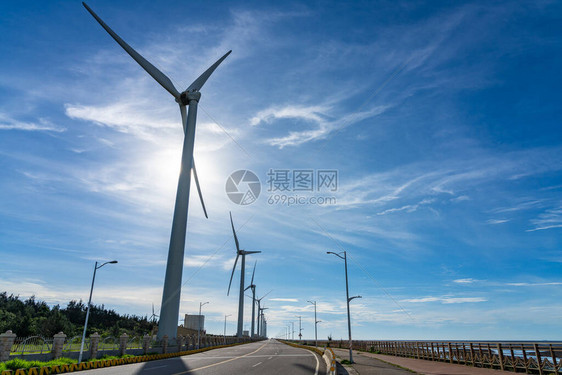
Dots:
{"x": 315, "y": 324}
{"x": 348, "y": 300}
{"x": 224, "y": 334}
{"x": 199, "y": 328}
{"x": 300, "y": 327}
{"x": 293, "y": 330}
{"x": 96, "y": 267}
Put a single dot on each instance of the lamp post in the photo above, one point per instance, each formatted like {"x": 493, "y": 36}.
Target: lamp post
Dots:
{"x": 224, "y": 334}
{"x": 293, "y": 330}
{"x": 199, "y": 328}
{"x": 348, "y": 300}
{"x": 300, "y": 327}
{"x": 96, "y": 267}
{"x": 315, "y": 324}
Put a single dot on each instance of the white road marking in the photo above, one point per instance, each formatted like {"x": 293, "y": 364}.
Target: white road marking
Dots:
{"x": 257, "y": 364}
{"x": 270, "y": 357}
{"x": 153, "y": 368}
{"x": 317, "y": 364}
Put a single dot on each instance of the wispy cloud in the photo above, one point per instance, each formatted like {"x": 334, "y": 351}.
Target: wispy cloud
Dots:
{"x": 407, "y": 208}
{"x": 8, "y": 123}
{"x": 549, "y": 219}
{"x": 320, "y": 116}
{"x": 465, "y": 281}
{"x": 534, "y": 284}
{"x": 284, "y": 299}
{"x": 497, "y": 221}
{"x": 446, "y": 300}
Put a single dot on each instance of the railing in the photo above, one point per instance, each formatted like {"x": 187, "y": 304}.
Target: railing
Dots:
{"x": 73, "y": 345}
{"x": 40, "y": 348}
{"x": 135, "y": 343}
{"x": 31, "y": 345}
{"x": 529, "y": 357}
{"x": 109, "y": 343}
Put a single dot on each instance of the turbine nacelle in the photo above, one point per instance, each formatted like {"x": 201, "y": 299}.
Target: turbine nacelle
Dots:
{"x": 187, "y": 96}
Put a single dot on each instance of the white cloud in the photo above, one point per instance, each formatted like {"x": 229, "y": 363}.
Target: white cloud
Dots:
{"x": 465, "y": 281}
{"x": 535, "y": 284}
{"x": 8, "y": 123}
{"x": 320, "y": 115}
{"x": 497, "y": 221}
{"x": 446, "y": 300}
{"x": 284, "y": 299}
{"x": 549, "y": 219}
{"x": 408, "y": 208}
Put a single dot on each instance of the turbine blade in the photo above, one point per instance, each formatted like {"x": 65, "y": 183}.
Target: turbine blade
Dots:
{"x": 199, "y": 189}
{"x": 248, "y": 287}
{"x": 251, "y": 252}
{"x": 199, "y": 82}
{"x": 232, "y": 275}
{"x": 160, "y": 77}
{"x": 234, "y": 232}
{"x": 262, "y": 297}
{"x": 253, "y": 273}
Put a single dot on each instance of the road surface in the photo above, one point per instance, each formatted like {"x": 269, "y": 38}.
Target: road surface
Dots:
{"x": 263, "y": 357}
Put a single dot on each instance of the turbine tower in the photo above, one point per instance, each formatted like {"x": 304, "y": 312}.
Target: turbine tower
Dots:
{"x": 258, "y": 300}
{"x": 190, "y": 97}
{"x": 243, "y": 253}
{"x": 253, "y": 287}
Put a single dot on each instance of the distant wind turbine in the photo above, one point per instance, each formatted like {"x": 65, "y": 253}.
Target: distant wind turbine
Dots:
{"x": 190, "y": 97}
{"x": 253, "y": 287}
{"x": 258, "y": 300}
{"x": 242, "y": 270}
{"x": 153, "y": 316}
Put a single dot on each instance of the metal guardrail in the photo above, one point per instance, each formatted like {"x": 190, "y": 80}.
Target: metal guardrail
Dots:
{"x": 31, "y": 345}
{"x": 135, "y": 343}
{"x": 108, "y": 343}
{"x": 529, "y": 357}
{"x": 73, "y": 344}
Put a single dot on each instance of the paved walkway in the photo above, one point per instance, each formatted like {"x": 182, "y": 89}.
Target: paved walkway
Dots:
{"x": 368, "y": 363}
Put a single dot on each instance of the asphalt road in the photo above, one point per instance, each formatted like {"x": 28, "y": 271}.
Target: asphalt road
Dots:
{"x": 264, "y": 357}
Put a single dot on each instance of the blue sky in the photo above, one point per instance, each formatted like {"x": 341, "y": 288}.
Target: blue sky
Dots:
{"x": 442, "y": 120}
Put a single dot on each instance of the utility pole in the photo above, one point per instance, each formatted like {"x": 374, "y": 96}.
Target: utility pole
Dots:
{"x": 293, "y": 329}
{"x": 300, "y": 329}
{"x": 315, "y": 324}
{"x": 224, "y": 334}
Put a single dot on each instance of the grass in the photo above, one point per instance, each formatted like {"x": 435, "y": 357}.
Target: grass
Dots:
{"x": 18, "y": 363}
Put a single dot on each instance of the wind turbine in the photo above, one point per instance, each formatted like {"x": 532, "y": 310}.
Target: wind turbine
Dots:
{"x": 258, "y": 300}
{"x": 242, "y": 270}
{"x": 262, "y": 320}
{"x": 253, "y": 287}
{"x": 190, "y": 97}
{"x": 153, "y": 316}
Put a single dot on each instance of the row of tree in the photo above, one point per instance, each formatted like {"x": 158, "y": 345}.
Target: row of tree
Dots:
{"x": 31, "y": 317}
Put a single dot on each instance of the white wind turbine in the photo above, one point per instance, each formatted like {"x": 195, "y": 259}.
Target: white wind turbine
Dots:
{"x": 253, "y": 287}
{"x": 190, "y": 97}
{"x": 258, "y": 300}
{"x": 242, "y": 270}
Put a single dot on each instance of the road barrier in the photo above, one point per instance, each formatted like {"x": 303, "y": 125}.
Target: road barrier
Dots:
{"x": 529, "y": 357}
{"x": 330, "y": 358}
